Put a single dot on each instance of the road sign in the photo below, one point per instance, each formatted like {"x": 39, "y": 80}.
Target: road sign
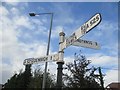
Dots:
{"x": 87, "y": 44}
{"x": 85, "y": 28}
{"x": 54, "y": 57}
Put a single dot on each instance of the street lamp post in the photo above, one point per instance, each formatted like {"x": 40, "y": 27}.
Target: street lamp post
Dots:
{"x": 48, "y": 46}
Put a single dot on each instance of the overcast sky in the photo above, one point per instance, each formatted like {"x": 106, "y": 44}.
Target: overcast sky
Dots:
{"x": 24, "y": 36}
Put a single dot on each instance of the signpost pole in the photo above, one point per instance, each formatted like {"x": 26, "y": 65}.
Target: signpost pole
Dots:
{"x": 60, "y": 62}
{"x": 72, "y": 40}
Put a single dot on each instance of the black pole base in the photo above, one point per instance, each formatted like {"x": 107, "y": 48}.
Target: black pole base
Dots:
{"x": 59, "y": 75}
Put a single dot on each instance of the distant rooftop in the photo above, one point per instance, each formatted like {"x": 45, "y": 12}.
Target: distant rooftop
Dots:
{"x": 114, "y": 85}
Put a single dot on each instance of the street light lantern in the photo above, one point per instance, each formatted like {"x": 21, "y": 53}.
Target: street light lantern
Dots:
{"x": 32, "y": 14}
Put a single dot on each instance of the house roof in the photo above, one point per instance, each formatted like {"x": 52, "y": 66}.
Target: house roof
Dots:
{"x": 114, "y": 85}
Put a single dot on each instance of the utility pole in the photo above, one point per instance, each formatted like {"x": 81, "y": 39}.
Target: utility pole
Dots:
{"x": 60, "y": 62}
{"x": 48, "y": 46}
{"x": 101, "y": 79}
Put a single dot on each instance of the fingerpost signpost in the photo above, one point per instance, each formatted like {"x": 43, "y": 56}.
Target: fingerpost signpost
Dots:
{"x": 73, "y": 40}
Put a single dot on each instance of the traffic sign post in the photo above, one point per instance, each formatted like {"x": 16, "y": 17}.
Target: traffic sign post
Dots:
{"x": 65, "y": 42}
{"x": 74, "y": 40}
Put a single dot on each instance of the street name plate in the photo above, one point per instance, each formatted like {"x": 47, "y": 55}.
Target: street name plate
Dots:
{"x": 49, "y": 58}
{"x": 87, "y": 44}
{"x": 86, "y": 27}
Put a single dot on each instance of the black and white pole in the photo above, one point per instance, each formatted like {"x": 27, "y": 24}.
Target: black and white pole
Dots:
{"x": 60, "y": 62}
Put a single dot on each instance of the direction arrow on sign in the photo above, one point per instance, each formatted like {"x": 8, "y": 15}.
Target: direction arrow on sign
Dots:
{"x": 54, "y": 57}
{"x": 87, "y": 44}
{"x": 85, "y": 28}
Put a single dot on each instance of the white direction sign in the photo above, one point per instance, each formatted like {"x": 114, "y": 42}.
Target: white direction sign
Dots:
{"x": 85, "y": 28}
{"x": 54, "y": 57}
{"x": 87, "y": 44}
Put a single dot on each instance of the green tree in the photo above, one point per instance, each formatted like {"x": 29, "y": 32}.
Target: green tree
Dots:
{"x": 50, "y": 80}
{"x": 37, "y": 79}
{"x": 26, "y": 77}
{"x": 20, "y": 80}
{"x": 81, "y": 76}
{"x": 27, "y": 80}
{"x": 11, "y": 83}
